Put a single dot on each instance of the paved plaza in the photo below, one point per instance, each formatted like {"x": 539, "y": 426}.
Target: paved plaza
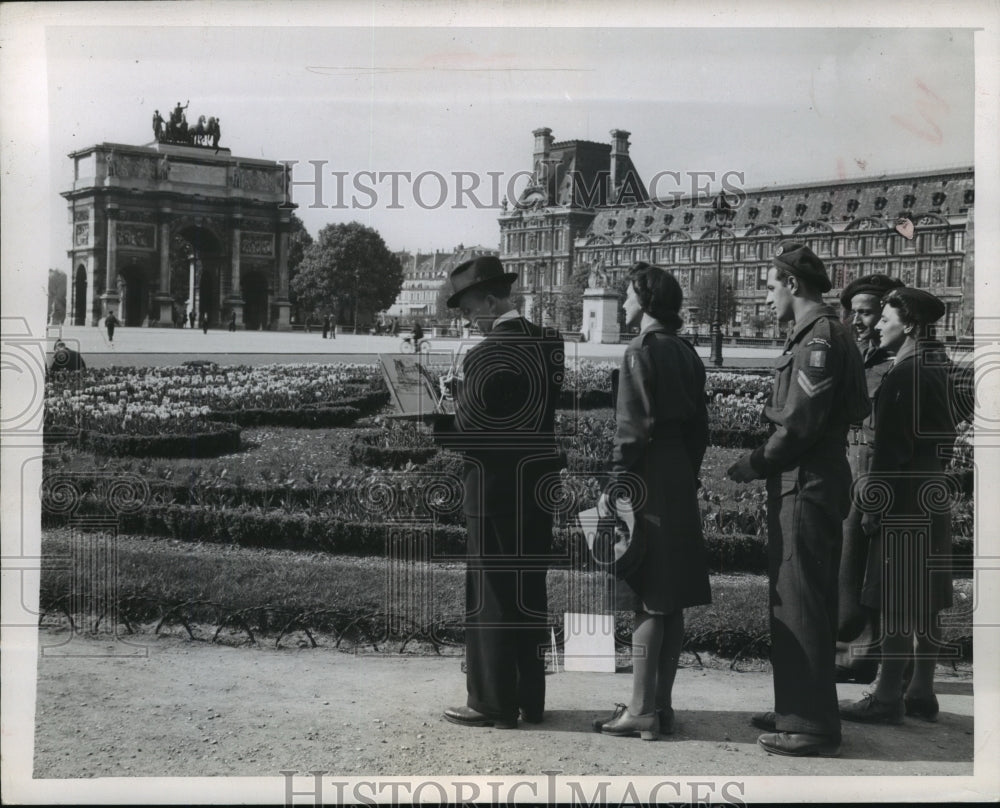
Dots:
{"x": 170, "y": 346}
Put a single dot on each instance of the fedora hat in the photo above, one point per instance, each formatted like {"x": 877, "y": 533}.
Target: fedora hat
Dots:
{"x": 474, "y": 273}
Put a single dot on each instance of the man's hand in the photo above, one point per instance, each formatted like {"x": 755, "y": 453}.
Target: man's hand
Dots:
{"x": 741, "y": 471}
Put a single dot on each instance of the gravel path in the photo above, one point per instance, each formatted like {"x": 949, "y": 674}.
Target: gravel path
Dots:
{"x": 198, "y": 709}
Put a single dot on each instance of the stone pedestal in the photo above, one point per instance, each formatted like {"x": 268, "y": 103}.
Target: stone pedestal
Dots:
{"x": 600, "y": 315}
{"x": 283, "y": 308}
{"x": 163, "y": 309}
{"x": 230, "y": 305}
{"x": 110, "y": 301}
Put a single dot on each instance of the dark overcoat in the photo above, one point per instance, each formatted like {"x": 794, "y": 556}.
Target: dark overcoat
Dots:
{"x": 914, "y": 429}
{"x": 504, "y": 425}
{"x": 661, "y": 437}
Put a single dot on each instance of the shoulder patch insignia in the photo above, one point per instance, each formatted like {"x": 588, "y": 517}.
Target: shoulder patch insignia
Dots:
{"x": 817, "y": 359}
{"x": 812, "y": 389}
{"x": 819, "y": 341}
{"x": 631, "y": 362}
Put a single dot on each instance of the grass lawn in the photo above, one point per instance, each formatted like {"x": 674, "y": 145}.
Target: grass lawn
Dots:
{"x": 264, "y": 592}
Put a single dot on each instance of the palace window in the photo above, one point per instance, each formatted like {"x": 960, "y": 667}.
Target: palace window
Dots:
{"x": 923, "y": 274}
{"x": 939, "y": 269}
{"x": 909, "y": 270}
{"x": 955, "y": 272}
{"x": 957, "y": 242}
{"x": 939, "y": 241}
{"x": 879, "y": 244}
{"x": 851, "y": 246}
{"x": 761, "y": 278}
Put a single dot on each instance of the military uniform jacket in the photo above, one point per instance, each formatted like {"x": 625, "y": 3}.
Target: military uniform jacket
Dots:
{"x": 877, "y": 362}
{"x": 819, "y": 391}
{"x": 504, "y": 419}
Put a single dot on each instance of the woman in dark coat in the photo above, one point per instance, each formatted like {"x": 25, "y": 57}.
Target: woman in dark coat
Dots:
{"x": 913, "y": 424}
{"x": 662, "y": 433}
{"x": 111, "y": 321}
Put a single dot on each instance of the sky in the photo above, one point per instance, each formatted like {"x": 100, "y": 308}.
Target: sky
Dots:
{"x": 780, "y": 106}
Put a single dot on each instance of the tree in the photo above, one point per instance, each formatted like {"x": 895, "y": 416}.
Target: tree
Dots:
{"x": 299, "y": 241}
{"x": 572, "y": 298}
{"x": 703, "y": 296}
{"x": 57, "y": 296}
{"x": 350, "y": 269}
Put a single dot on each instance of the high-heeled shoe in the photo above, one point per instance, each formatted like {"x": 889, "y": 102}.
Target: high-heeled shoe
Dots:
{"x": 600, "y": 722}
{"x": 925, "y": 708}
{"x": 646, "y": 726}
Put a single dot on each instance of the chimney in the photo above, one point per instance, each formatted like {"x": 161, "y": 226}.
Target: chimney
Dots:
{"x": 543, "y": 142}
{"x": 619, "y": 157}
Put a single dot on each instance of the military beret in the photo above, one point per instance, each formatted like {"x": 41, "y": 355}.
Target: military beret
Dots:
{"x": 920, "y": 306}
{"x": 798, "y": 260}
{"x": 876, "y": 285}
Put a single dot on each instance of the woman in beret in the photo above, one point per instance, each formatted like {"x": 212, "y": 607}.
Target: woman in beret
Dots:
{"x": 661, "y": 436}
{"x": 913, "y": 423}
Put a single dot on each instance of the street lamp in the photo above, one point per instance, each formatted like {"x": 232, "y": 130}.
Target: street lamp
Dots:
{"x": 722, "y": 209}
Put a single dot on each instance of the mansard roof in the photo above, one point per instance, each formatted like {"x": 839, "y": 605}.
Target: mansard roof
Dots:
{"x": 926, "y": 199}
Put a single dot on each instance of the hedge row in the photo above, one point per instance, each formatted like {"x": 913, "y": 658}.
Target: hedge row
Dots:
{"x": 301, "y": 531}
{"x": 225, "y": 439}
{"x": 343, "y": 412}
{"x": 366, "y": 451}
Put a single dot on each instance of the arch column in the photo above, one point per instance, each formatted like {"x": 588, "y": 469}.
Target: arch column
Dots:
{"x": 163, "y": 302}
{"x": 283, "y": 304}
{"x": 110, "y": 299}
{"x": 234, "y": 302}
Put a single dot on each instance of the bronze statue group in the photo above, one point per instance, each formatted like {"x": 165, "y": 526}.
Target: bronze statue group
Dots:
{"x": 860, "y": 423}
{"x": 176, "y": 129}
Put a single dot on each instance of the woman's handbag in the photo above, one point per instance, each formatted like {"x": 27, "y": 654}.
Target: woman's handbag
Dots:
{"x": 616, "y": 542}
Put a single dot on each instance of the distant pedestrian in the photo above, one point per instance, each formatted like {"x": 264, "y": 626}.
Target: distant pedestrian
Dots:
{"x": 395, "y": 327}
{"x": 333, "y": 326}
{"x": 204, "y": 322}
{"x": 308, "y": 323}
{"x": 326, "y": 326}
{"x": 232, "y": 321}
{"x": 191, "y": 317}
{"x": 111, "y": 321}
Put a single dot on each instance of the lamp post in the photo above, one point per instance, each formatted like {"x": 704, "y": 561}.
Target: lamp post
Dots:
{"x": 722, "y": 208}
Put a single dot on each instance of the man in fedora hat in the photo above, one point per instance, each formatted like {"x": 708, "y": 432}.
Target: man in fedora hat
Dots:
{"x": 819, "y": 391}
{"x": 504, "y": 425}
{"x": 857, "y": 626}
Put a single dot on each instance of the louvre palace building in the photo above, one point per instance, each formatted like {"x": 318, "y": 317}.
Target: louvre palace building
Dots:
{"x": 586, "y": 210}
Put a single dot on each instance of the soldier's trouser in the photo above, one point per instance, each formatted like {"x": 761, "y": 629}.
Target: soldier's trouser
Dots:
{"x": 804, "y": 515}
{"x": 506, "y": 615}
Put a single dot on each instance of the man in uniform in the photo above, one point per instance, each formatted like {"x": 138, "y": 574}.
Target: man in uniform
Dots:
{"x": 819, "y": 391}
{"x": 504, "y": 424}
{"x": 857, "y": 626}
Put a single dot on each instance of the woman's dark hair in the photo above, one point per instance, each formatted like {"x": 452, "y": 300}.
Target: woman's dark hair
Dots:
{"x": 907, "y": 315}
{"x": 659, "y": 293}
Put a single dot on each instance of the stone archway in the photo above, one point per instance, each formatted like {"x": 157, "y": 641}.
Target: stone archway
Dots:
{"x": 135, "y": 283}
{"x": 80, "y": 296}
{"x": 196, "y": 256}
{"x": 256, "y": 308}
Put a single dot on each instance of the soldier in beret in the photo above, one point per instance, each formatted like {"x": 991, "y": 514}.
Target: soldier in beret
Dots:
{"x": 857, "y": 628}
{"x": 914, "y": 428}
{"x": 504, "y": 425}
{"x": 819, "y": 391}
{"x": 65, "y": 358}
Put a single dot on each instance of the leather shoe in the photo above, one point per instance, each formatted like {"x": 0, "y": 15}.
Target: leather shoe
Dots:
{"x": 600, "y": 722}
{"x": 925, "y": 708}
{"x": 767, "y": 721}
{"x": 646, "y": 726}
{"x": 800, "y": 744}
{"x": 869, "y": 710}
{"x": 468, "y": 717}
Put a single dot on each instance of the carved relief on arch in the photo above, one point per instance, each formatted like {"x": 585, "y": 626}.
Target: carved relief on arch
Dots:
{"x": 813, "y": 227}
{"x": 867, "y": 223}
{"x": 211, "y": 224}
{"x": 764, "y": 230}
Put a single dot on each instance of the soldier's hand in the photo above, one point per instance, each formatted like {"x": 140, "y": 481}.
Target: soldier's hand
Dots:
{"x": 741, "y": 471}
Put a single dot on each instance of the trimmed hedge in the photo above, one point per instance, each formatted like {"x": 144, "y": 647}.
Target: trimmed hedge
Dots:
{"x": 301, "y": 531}
{"x": 225, "y": 439}
{"x": 300, "y": 417}
{"x": 343, "y": 412}
{"x": 364, "y": 451}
